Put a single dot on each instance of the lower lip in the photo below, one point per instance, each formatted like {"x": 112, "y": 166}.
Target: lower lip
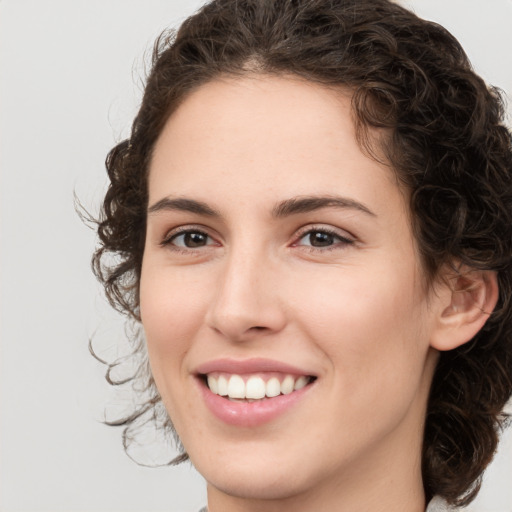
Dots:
{"x": 250, "y": 414}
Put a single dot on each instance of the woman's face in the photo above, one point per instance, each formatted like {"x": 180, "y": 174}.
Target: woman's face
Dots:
{"x": 278, "y": 255}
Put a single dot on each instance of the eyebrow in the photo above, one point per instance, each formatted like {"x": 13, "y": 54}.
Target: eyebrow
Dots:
{"x": 286, "y": 208}
{"x": 305, "y": 204}
{"x": 185, "y": 205}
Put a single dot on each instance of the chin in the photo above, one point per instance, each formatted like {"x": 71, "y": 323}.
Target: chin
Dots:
{"x": 259, "y": 472}
{"x": 250, "y": 485}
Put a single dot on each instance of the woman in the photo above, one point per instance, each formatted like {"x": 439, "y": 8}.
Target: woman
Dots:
{"x": 312, "y": 219}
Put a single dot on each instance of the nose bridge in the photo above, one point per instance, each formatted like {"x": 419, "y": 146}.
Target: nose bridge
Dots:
{"x": 247, "y": 298}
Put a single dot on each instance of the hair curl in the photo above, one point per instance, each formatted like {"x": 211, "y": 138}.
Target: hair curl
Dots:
{"x": 448, "y": 146}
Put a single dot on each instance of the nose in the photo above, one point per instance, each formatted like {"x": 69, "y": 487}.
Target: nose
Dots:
{"x": 248, "y": 302}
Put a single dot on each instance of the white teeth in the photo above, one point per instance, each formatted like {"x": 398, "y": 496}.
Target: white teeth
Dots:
{"x": 287, "y": 385}
{"x": 236, "y": 387}
{"x": 213, "y": 384}
{"x": 300, "y": 383}
{"x": 255, "y": 388}
{"x": 222, "y": 386}
{"x": 273, "y": 387}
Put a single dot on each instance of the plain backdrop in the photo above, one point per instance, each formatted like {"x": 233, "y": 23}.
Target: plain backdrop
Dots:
{"x": 70, "y": 81}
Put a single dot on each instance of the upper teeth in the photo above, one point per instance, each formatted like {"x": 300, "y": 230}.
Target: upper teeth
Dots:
{"x": 254, "y": 387}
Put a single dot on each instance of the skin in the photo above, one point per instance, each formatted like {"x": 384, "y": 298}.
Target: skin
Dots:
{"x": 355, "y": 312}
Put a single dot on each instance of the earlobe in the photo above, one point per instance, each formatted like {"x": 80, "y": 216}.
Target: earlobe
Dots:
{"x": 467, "y": 301}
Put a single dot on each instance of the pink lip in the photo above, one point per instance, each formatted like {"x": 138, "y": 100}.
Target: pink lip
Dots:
{"x": 255, "y": 365}
{"x": 249, "y": 414}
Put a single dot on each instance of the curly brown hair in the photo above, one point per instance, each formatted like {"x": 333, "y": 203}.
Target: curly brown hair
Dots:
{"x": 448, "y": 146}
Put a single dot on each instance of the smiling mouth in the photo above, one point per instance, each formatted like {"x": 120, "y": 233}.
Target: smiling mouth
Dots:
{"x": 251, "y": 388}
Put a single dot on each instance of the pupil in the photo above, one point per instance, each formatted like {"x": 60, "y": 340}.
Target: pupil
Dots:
{"x": 319, "y": 239}
{"x": 195, "y": 239}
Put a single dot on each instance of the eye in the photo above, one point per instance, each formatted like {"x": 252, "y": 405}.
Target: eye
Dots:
{"x": 189, "y": 239}
{"x": 322, "y": 238}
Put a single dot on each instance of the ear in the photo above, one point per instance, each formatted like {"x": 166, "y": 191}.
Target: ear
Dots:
{"x": 466, "y": 299}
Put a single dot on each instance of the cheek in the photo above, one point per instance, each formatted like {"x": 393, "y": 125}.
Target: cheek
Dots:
{"x": 172, "y": 311}
{"x": 372, "y": 326}
{"x": 170, "y": 303}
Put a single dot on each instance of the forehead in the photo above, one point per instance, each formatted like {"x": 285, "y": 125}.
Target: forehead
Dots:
{"x": 266, "y": 137}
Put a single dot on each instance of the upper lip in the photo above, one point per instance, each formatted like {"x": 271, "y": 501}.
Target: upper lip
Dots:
{"x": 253, "y": 365}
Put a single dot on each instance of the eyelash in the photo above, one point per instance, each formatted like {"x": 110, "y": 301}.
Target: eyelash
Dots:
{"x": 341, "y": 240}
{"x": 170, "y": 237}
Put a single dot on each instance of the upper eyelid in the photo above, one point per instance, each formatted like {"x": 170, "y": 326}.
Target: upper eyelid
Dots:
{"x": 187, "y": 228}
{"x": 342, "y": 233}
{"x": 298, "y": 234}
{"x": 168, "y": 242}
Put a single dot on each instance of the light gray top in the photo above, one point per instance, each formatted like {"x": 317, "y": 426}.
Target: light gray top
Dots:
{"x": 436, "y": 505}
{"x": 439, "y": 505}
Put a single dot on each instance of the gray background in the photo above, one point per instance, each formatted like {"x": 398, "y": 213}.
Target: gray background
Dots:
{"x": 70, "y": 81}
